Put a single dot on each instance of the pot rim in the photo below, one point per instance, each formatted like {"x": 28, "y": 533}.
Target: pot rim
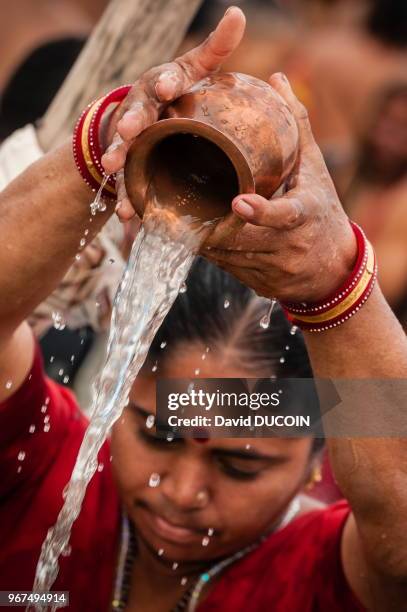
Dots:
{"x": 163, "y": 128}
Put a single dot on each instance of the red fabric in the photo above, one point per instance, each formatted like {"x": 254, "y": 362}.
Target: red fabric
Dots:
{"x": 31, "y": 499}
{"x": 298, "y": 569}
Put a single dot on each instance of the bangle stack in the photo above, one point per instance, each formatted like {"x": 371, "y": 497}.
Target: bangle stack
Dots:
{"x": 347, "y": 300}
{"x": 87, "y": 149}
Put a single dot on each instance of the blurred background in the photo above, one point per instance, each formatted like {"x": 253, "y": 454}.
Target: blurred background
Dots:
{"x": 347, "y": 62}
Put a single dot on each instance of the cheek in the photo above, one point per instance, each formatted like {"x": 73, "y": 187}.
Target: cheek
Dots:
{"x": 249, "y": 509}
{"x": 132, "y": 463}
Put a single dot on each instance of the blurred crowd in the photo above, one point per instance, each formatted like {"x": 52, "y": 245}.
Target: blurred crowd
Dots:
{"x": 346, "y": 60}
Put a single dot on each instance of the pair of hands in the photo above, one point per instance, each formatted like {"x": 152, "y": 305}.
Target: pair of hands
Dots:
{"x": 298, "y": 247}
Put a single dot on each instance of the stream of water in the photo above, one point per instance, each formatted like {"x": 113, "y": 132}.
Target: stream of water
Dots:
{"x": 161, "y": 257}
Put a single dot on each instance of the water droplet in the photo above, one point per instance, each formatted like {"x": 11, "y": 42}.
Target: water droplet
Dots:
{"x": 111, "y": 260}
{"x": 265, "y": 321}
{"x": 184, "y": 580}
{"x": 293, "y": 330}
{"x": 150, "y": 421}
{"x": 82, "y": 242}
{"x": 44, "y": 408}
{"x": 248, "y": 446}
{"x": 226, "y": 304}
{"x": 58, "y": 320}
{"x": 61, "y": 371}
{"x": 160, "y": 552}
{"x": 65, "y": 380}
{"x": 211, "y": 531}
{"x": 66, "y": 551}
{"x": 207, "y": 349}
{"x": 170, "y": 436}
{"x": 174, "y": 565}
{"x": 282, "y": 359}
{"x": 101, "y": 467}
{"x": 86, "y": 232}
{"x": 46, "y": 419}
{"x": 154, "y": 480}
{"x": 203, "y": 356}
{"x": 197, "y": 371}
{"x": 77, "y": 257}
{"x": 155, "y": 367}
{"x": 47, "y": 427}
{"x": 99, "y": 204}
{"x": 51, "y": 359}
{"x": 287, "y": 348}
{"x": 183, "y": 288}
{"x": 72, "y": 358}
{"x": 19, "y": 469}
{"x": 9, "y": 384}
{"x": 82, "y": 341}
{"x": 205, "y": 541}
{"x": 163, "y": 345}
{"x": 31, "y": 429}
{"x": 21, "y": 456}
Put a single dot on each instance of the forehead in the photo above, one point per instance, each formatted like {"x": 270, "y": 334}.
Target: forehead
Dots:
{"x": 143, "y": 396}
{"x": 193, "y": 360}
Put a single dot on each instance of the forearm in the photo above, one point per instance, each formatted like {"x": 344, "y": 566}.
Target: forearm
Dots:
{"x": 45, "y": 213}
{"x": 371, "y": 472}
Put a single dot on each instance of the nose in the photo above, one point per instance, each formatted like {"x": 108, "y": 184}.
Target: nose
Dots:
{"x": 186, "y": 483}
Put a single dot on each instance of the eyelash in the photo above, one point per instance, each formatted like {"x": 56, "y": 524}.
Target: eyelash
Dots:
{"x": 164, "y": 445}
{"x": 233, "y": 472}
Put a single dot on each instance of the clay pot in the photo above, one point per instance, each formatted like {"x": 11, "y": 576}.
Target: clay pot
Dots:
{"x": 229, "y": 134}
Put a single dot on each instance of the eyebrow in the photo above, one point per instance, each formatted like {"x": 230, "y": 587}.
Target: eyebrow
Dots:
{"x": 223, "y": 452}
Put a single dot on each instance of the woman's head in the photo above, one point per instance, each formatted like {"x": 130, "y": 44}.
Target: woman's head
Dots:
{"x": 239, "y": 488}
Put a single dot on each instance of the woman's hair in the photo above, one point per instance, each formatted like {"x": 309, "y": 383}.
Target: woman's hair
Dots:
{"x": 387, "y": 21}
{"x": 219, "y": 312}
{"x": 35, "y": 82}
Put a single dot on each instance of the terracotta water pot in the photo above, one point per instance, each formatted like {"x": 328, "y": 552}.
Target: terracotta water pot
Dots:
{"x": 229, "y": 134}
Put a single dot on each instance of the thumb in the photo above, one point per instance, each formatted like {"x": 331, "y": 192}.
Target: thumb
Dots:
{"x": 286, "y": 212}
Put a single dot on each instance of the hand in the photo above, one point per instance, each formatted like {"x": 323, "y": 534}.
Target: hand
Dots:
{"x": 160, "y": 86}
{"x": 299, "y": 247}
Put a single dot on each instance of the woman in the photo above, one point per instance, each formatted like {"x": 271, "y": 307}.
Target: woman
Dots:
{"x": 300, "y": 248}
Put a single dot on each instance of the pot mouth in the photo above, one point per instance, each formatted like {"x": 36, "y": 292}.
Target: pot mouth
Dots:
{"x": 138, "y": 167}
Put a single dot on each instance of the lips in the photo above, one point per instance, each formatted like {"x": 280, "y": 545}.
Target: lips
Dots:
{"x": 174, "y": 533}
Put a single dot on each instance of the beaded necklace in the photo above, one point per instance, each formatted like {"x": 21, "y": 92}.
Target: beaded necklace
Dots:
{"x": 190, "y": 598}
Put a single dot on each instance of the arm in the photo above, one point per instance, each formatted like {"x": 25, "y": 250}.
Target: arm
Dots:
{"x": 45, "y": 211}
{"x": 302, "y": 249}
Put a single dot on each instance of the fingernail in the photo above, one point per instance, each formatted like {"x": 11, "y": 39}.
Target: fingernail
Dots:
{"x": 282, "y": 76}
{"x": 118, "y": 205}
{"x": 243, "y": 208}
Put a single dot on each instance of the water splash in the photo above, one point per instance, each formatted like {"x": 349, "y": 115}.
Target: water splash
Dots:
{"x": 161, "y": 256}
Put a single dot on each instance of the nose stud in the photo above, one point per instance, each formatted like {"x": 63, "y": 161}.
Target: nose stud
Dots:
{"x": 202, "y": 498}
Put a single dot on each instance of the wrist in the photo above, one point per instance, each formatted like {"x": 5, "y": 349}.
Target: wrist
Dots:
{"x": 341, "y": 304}
{"x": 91, "y": 135}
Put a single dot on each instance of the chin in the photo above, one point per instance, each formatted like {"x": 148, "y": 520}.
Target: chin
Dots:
{"x": 178, "y": 544}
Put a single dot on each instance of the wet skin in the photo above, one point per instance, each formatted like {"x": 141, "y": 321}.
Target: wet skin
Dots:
{"x": 248, "y": 489}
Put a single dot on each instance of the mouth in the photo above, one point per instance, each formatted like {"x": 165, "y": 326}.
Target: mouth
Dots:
{"x": 176, "y": 533}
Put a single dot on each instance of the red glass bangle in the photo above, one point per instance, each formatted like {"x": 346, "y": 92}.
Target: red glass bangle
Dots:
{"x": 87, "y": 150}
{"x": 347, "y": 300}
